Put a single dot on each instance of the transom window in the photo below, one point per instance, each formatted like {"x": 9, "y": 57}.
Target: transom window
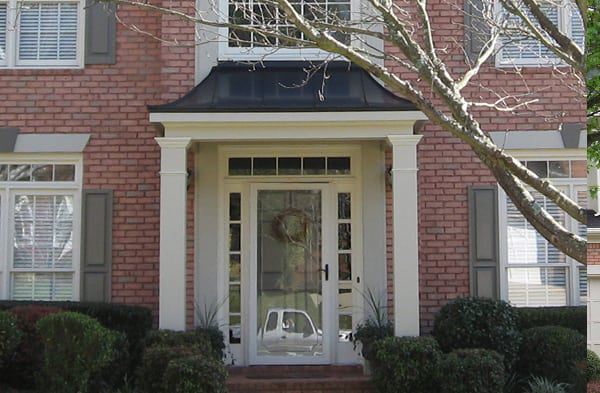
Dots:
{"x": 522, "y": 50}
{"x": 537, "y": 273}
{"x": 288, "y": 166}
{"x": 41, "y": 33}
{"x": 39, "y": 230}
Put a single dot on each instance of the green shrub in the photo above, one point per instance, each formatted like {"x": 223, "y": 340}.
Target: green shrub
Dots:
{"x": 407, "y": 362}
{"x": 172, "y": 338}
{"x": 115, "y": 373}
{"x": 10, "y": 336}
{"x": 214, "y": 336}
{"x": 592, "y": 366}
{"x": 473, "y": 322}
{"x": 134, "y": 321}
{"x": 195, "y": 374}
{"x": 471, "y": 371}
{"x": 75, "y": 347}
{"x": 544, "y": 385}
{"x": 573, "y": 317}
{"x": 27, "y": 361}
{"x": 368, "y": 333}
{"x": 154, "y": 363}
{"x": 553, "y": 352}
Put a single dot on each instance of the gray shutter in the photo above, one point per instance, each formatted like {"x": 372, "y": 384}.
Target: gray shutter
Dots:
{"x": 96, "y": 255}
{"x": 483, "y": 241}
{"x": 476, "y": 30}
{"x": 100, "y": 32}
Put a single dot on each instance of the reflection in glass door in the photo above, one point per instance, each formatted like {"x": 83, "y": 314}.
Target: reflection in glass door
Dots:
{"x": 289, "y": 297}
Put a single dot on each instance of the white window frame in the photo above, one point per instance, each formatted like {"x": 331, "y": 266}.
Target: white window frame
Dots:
{"x": 8, "y": 190}
{"x": 564, "y": 21}
{"x": 12, "y": 38}
{"x": 227, "y": 53}
{"x": 574, "y": 184}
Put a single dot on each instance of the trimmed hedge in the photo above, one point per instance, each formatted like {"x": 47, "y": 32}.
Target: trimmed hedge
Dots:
{"x": 553, "y": 352}
{"x": 473, "y": 322}
{"x": 215, "y": 338}
{"x": 154, "y": 363}
{"x": 472, "y": 371}
{"x": 195, "y": 374}
{"x": 409, "y": 363}
{"x": 75, "y": 347}
{"x": 21, "y": 370}
{"x": 134, "y": 321}
{"x": 572, "y": 317}
{"x": 172, "y": 338}
{"x": 10, "y": 336}
{"x": 592, "y": 366}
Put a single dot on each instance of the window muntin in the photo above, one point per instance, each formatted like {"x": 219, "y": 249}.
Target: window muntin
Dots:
{"x": 289, "y": 166}
{"x": 521, "y": 50}
{"x": 43, "y": 33}
{"x": 536, "y": 273}
{"x": 235, "y": 267}
{"x": 242, "y": 44}
{"x": 39, "y": 231}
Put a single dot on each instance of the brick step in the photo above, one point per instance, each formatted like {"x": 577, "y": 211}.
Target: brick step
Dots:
{"x": 298, "y": 379}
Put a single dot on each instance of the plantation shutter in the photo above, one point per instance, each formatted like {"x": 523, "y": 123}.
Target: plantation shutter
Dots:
{"x": 43, "y": 244}
{"x": 577, "y": 27}
{"x": 96, "y": 257}
{"x": 100, "y": 33}
{"x": 477, "y": 31}
{"x": 3, "y": 32}
{"x": 48, "y": 31}
{"x": 483, "y": 241}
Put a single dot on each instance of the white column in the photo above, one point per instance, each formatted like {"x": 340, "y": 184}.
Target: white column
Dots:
{"x": 406, "y": 230}
{"x": 173, "y": 179}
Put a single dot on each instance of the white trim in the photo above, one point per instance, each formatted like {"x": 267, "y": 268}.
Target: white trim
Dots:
{"x": 12, "y": 37}
{"x": 593, "y": 270}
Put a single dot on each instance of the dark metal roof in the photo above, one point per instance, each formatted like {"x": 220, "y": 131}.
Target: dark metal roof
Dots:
{"x": 285, "y": 87}
{"x": 593, "y": 221}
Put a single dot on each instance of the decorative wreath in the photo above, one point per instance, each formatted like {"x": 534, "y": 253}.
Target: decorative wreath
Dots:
{"x": 290, "y": 226}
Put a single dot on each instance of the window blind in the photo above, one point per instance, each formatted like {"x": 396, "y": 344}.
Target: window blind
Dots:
{"x": 48, "y": 31}
{"x": 2, "y": 32}
{"x": 42, "y": 286}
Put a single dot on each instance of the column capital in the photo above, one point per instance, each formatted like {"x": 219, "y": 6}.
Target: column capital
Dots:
{"x": 173, "y": 143}
{"x": 404, "y": 140}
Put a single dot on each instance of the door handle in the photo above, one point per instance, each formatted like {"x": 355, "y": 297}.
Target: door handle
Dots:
{"x": 326, "y": 271}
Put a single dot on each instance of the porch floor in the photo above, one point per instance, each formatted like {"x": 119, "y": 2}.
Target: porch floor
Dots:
{"x": 298, "y": 379}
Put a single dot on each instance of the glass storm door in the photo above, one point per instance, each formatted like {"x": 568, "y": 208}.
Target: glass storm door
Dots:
{"x": 288, "y": 303}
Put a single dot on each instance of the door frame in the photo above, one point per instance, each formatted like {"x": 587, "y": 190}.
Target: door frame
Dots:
{"x": 240, "y": 354}
{"x": 327, "y": 287}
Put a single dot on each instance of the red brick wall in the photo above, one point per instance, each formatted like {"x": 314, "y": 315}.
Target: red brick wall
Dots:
{"x": 593, "y": 253}
{"x": 447, "y": 166}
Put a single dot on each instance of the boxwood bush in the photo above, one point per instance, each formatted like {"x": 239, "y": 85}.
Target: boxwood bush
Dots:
{"x": 195, "y": 374}
{"x": 75, "y": 347}
{"x": 471, "y": 371}
{"x": 473, "y": 322}
{"x": 10, "y": 337}
{"x": 172, "y": 338}
{"x": 215, "y": 338}
{"x": 573, "y": 317}
{"x": 154, "y": 363}
{"x": 592, "y": 366}
{"x": 407, "y": 363}
{"x": 553, "y": 352}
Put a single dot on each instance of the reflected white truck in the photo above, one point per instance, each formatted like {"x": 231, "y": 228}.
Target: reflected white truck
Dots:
{"x": 288, "y": 331}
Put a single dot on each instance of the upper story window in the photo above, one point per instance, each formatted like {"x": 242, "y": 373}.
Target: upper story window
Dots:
{"x": 41, "y": 33}
{"x": 252, "y": 13}
{"x": 519, "y": 50}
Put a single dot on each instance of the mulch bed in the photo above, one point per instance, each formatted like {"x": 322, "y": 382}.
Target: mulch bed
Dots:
{"x": 593, "y": 387}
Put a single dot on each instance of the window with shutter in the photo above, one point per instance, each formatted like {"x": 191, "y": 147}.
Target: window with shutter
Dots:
{"x": 521, "y": 50}
{"x": 39, "y": 224}
{"x": 536, "y": 273}
{"x": 45, "y": 33}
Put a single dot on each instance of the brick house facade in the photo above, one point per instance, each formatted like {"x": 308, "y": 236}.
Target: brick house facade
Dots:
{"x": 98, "y": 123}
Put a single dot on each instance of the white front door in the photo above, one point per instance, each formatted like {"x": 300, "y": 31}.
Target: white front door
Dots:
{"x": 291, "y": 300}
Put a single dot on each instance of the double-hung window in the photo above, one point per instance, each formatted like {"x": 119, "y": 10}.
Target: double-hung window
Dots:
{"x": 255, "y": 14}
{"x": 39, "y": 229}
{"x": 41, "y": 33}
{"x": 534, "y": 272}
{"x": 522, "y": 50}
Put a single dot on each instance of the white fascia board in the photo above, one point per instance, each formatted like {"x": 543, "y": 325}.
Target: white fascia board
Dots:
{"x": 593, "y": 270}
{"x": 593, "y": 235}
{"x": 288, "y": 117}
